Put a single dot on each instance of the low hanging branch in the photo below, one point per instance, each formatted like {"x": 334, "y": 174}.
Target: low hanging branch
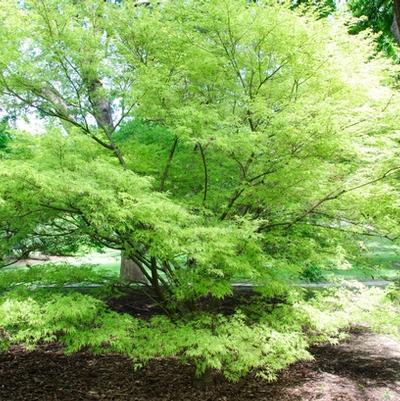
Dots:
{"x": 331, "y": 196}
{"x": 353, "y": 232}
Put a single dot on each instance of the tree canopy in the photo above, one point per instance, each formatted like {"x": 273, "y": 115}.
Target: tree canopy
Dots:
{"x": 207, "y": 140}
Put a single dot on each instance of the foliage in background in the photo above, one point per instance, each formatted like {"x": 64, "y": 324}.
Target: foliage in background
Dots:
{"x": 324, "y": 8}
{"x": 394, "y": 291}
{"x": 369, "y": 15}
{"x": 313, "y": 274}
{"x": 5, "y": 136}
{"x": 376, "y": 15}
{"x": 54, "y": 275}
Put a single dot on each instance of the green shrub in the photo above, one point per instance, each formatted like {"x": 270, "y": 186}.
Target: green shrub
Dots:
{"x": 228, "y": 344}
{"x": 261, "y": 338}
{"x": 313, "y": 274}
{"x": 394, "y": 290}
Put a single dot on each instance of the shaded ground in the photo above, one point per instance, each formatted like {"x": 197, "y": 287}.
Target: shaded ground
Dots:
{"x": 365, "y": 368}
{"x": 141, "y": 303}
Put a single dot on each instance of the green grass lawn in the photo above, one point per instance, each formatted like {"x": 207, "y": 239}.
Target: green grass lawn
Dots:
{"x": 380, "y": 262}
{"x": 111, "y": 267}
{"x": 363, "y": 274}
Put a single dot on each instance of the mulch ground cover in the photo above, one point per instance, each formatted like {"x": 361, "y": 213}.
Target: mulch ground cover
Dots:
{"x": 343, "y": 372}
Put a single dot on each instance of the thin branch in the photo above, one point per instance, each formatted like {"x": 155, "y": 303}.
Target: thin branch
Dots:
{"x": 354, "y": 232}
{"x": 329, "y": 197}
{"x": 203, "y": 158}
{"x": 168, "y": 164}
{"x": 13, "y": 262}
{"x": 269, "y": 76}
{"x": 231, "y": 202}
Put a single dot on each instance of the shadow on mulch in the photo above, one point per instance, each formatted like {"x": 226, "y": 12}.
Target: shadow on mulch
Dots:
{"x": 142, "y": 304}
{"x": 359, "y": 365}
{"x": 338, "y": 373}
{"x": 49, "y": 375}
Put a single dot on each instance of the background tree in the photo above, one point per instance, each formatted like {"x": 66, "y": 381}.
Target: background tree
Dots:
{"x": 379, "y": 16}
{"x": 5, "y": 135}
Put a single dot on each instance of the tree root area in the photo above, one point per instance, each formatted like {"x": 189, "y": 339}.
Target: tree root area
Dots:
{"x": 143, "y": 305}
{"x": 366, "y": 367}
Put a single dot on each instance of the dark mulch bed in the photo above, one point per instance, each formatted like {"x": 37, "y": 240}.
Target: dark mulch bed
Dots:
{"x": 365, "y": 368}
{"x": 143, "y": 304}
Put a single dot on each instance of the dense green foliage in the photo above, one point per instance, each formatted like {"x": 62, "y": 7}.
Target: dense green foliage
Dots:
{"x": 206, "y": 140}
{"x": 324, "y": 8}
{"x": 5, "y": 136}
{"x": 376, "y": 15}
{"x": 258, "y": 337}
{"x": 371, "y": 15}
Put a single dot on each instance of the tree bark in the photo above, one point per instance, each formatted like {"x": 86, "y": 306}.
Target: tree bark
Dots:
{"x": 396, "y": 20}
{"x": 130, "y": 271}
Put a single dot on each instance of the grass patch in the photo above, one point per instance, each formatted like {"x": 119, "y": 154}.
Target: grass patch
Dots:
{"x": 54, "y": 275}
{"x": 380, "y": 260}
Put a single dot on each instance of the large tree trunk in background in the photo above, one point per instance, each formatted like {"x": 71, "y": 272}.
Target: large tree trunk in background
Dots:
{"x": 396, "y": 20}
{"x": 103, "y": 114}
{"x": 130, "y": 271}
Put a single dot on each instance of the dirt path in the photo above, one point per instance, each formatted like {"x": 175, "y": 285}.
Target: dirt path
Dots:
{"x": 364, "y": 368}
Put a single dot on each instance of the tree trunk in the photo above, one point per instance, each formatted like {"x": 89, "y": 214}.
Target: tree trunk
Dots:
{"x": 130, "y": 271}
{"x": 103, "y": 114}
{"x": 396, "y": 20}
